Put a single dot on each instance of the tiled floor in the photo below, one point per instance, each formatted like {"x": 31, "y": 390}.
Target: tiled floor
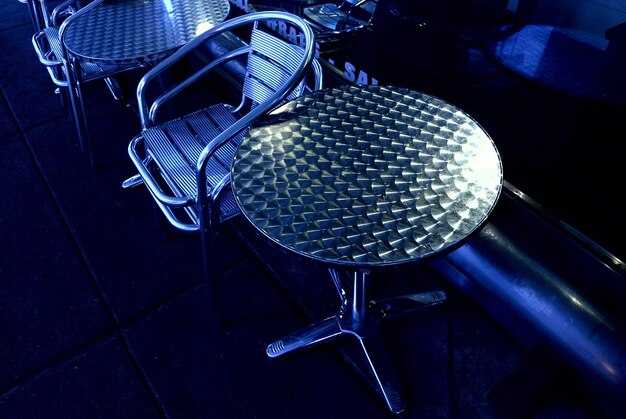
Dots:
{"x": 102, "y": 309}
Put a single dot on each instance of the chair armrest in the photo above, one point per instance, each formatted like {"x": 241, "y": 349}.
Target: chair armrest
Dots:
{"x": 39, "y": 40}
{"x": 177, "y": 88}
{"x": 54, "y": 18}
{"x": 163, "y": 200}
{"x": 241, "y": 125}
{"x": 147, "y": 112}
{"x": 247, "y": 120}
{"x": 150, "y": 181}
{"x": 318, "y": 76}
{"x": 53, "y": 66}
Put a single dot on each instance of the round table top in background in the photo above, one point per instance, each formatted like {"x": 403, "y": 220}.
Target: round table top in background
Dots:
{"x": 367, "y": 175}
{"x": 139, "y": 31}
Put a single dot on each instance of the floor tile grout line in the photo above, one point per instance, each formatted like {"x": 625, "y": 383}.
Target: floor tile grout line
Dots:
{"x": 83, "y": 257}
{"x": 109, "y": 332}
{"x": 54, "y": 362}
{"x": 452, "y": 382}
{"x": 18, "y": 25}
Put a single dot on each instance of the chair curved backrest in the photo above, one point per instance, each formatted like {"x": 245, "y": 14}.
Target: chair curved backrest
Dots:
{"x": 266, "y": 49}
{"x": 269, "y": 62}
{"x": 275, "y": 72}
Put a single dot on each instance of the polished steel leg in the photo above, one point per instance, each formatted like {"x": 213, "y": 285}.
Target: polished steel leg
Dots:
{"x": 381, "y": 368}
{"x": 361, "y": 317}
{"x": 364, "y": 324}
{"x": 317, "y": 333}
{"x": 406, "y": 304}
{"x": 78, "y": 108}
{"x": 334, "y": 275}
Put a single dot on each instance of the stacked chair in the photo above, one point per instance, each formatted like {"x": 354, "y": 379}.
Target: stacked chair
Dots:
{"x": 185, "y": 161}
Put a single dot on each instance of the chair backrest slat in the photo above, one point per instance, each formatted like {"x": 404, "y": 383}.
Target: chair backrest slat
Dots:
{"x": 276, "y": 49}
{"x": 271, "y": 75}
{"x": 271, "y": 60}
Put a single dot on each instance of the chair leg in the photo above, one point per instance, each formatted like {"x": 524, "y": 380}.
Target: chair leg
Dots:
{"x": 79, "y": 113}
{"x": 75, "y": 115}
{"x": 210, "y": 261}
{"x": 35, "y": 16}
{"x": 114, "y": 87}
{"x": 83, "y": 127}
{"x": 63, "y": 99}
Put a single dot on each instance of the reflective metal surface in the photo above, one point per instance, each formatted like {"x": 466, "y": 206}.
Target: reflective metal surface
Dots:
{"x": 137, "y": 31}
{"x": 548, "y": 289}
{"x": 367, "y": 175}
{"x": 360, "y": 318}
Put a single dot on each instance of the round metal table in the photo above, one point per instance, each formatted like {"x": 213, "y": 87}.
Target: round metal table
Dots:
{"x": 140, "y": 31}
{"x": 359, "y": 177}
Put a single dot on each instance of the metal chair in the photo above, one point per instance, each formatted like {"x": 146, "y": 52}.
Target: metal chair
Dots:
{"x": 69, "y": 73}
{"x": 47, "y": 42}
{"x": 185, "y": 162}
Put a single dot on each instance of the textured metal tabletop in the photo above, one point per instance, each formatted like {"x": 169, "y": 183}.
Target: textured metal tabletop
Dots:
{"x": 367, "y": 175}
{"x": 139, "y": 31}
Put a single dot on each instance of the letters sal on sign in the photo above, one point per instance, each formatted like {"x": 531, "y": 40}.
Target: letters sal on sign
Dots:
{"x": 351, "y": 74}
{"x": 360, "y": 77}
{"x": 290, "y": 34}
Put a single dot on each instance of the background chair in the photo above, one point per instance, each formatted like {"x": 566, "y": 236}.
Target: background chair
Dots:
{"x": 68, "y": 72}
{"x": 47, "y": 41}
{"x": 185, "y": 162}
{"x": 80, "y": 72}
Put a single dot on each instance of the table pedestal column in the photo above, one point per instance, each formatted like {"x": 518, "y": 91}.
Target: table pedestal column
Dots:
{"x": 361, "y": 317}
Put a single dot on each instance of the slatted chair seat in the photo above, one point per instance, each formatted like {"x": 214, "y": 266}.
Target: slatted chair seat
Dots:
{"x": 176, "y": 145}
{"x": 47, "y": 44}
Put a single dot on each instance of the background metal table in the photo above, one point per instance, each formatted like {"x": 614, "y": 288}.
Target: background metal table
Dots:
{"x": 140, "y": 31}
{"x": 575, "y": 62}
{"x": 363, "y": 177}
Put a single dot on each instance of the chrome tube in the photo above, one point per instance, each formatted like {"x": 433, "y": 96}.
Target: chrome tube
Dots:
{"x": 545, "y": 288}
